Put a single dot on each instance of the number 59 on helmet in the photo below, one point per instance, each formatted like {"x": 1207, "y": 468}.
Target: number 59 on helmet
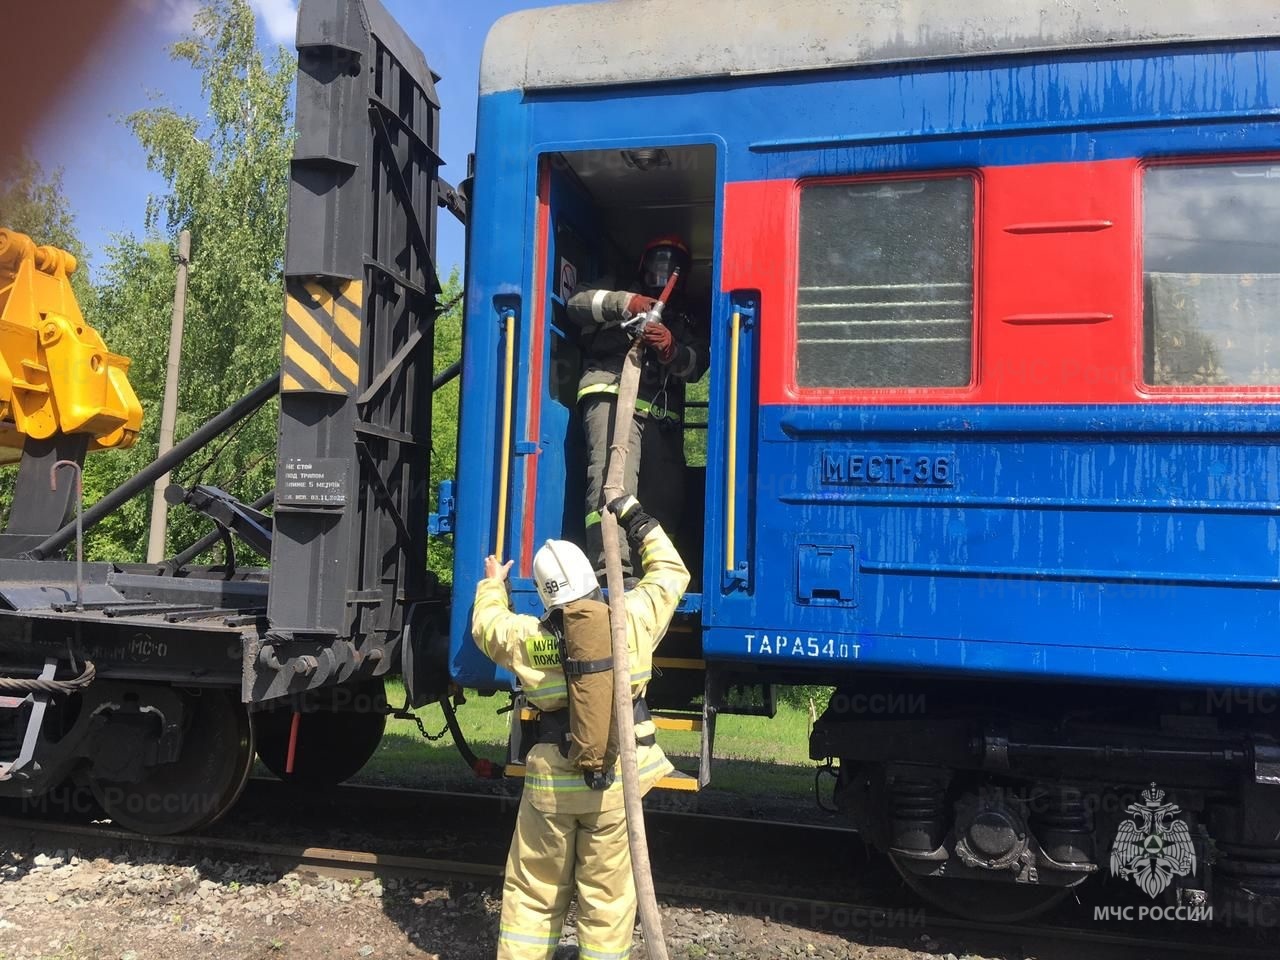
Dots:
{"x": 562, "y": 573}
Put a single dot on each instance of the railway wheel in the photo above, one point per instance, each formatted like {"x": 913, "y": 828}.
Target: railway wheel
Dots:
{"x": 202, "y": 784}
{"x": 336, "y": 736}
{"x": 988, "y": 901}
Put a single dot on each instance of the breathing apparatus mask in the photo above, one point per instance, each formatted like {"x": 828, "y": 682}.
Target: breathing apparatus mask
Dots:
{"x": 660, "y": 259}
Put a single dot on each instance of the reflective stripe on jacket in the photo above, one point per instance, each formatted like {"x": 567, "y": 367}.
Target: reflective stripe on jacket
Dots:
{"x": 521, "y": 644}
{"x": 598, "y": 315}
{"x": 642, "y": 406}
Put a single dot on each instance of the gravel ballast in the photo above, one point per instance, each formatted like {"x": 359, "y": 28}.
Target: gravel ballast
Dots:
{"x": 62, "y": 906}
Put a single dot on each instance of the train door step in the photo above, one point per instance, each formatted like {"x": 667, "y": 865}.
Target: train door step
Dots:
{"x": 684, "y": 722}
{"x": 705, "y": 724}
{"x": 39, "y": 702}
{"x": 678, "y": 780}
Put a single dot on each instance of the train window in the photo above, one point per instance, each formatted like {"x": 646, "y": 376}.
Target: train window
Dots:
{"x": 886, "y": 283}
{"x": 1211, "y": 274}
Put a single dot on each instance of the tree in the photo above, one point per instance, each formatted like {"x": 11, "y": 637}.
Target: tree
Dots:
{"x": 444, "y": 417}
{"x": 33, "y": 203}
{"x": 136, "y": 298}
{"x": 228, "y": 181}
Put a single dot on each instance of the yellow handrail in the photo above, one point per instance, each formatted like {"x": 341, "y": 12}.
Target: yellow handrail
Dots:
{"x": 731, "y": 474}
{"x": 504, "y": 471}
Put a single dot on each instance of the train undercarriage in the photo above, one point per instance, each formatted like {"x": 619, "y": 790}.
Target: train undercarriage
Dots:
{"x": 138, "y": 695}
{"x": 995, "y": 800}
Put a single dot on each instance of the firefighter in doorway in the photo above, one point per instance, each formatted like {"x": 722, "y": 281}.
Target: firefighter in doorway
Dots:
{"x": 677, "y": 353}
{"x": 571, "y": 830}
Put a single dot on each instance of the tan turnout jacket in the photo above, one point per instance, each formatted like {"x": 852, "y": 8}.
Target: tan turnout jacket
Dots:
{"x": 520, "y": 643}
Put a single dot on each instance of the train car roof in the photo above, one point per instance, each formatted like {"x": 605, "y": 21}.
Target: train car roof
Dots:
{"x": 642, "y": 41}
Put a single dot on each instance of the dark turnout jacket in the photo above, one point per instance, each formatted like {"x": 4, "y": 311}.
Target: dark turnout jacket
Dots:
{"x": 598, "y": 315}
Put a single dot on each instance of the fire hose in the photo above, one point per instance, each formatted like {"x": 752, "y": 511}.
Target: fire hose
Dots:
{"x": 628, "y": 388}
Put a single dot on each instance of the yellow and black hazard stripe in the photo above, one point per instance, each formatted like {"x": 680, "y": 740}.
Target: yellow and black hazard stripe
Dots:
{"x": 322, "y": 337}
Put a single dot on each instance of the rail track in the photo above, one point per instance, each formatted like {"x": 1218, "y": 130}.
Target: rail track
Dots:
{"x": 690, "y": 852}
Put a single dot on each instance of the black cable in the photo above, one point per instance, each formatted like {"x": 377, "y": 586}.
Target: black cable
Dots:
{"x": 199, "y": 472}
{"x": 825, "y": 769}
{"x": 243, "y": 472}
{"x": 484, "y": 768}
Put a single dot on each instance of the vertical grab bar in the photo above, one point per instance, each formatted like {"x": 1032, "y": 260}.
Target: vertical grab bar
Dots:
{"x": 731, "y": 471}
{"x": 504, "y": 470}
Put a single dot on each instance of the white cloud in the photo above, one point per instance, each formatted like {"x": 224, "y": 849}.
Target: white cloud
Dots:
{"x": 174, "y": 16}
{"x": 280, "y": 17}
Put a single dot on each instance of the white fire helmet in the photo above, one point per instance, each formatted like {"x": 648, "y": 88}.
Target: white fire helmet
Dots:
{"x": 562, "y": 573}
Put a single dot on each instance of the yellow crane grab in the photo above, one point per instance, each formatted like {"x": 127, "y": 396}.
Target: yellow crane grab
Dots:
{"x": 56, "y": 373}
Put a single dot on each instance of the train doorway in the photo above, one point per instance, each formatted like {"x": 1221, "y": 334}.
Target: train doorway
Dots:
{"x": 597, "y": 211}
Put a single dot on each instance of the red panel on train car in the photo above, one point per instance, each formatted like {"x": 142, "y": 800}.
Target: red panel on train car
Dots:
{"x": 1061, "y": 309}
{"x": 1056, "y": 297}
{"x": 538, "y": 313}
{"x": 759, "y": 254}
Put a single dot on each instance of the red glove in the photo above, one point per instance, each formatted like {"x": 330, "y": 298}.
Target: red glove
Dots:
{"x": 658, "y": 337}
{"x": 639, "y": 304}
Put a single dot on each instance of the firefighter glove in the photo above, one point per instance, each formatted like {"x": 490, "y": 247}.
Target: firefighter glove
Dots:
{"x": 658, "y": 337}
{"x": 632, "y": 517}
{"x": 639, "y": 304}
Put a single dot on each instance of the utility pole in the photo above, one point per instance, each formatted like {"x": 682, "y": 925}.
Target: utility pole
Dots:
{"x": 169, "y": 412}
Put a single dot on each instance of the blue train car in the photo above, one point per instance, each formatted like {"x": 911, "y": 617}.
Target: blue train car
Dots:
{"x": 993, "y": 294}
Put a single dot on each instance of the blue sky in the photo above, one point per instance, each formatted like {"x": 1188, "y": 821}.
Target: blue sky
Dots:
{"x": 104, "y": 169}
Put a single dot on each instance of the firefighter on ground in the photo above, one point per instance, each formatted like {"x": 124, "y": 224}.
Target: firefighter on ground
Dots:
{"x": 677, "y": 352}
{"x": 571, "y": 830}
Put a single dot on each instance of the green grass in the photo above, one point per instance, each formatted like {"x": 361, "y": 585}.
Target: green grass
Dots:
{"x": 754, "y": 756}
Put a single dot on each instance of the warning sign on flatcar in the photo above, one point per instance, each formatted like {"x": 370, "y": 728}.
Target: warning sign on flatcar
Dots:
{"x": 315, "y": 481}
{"x": 867, "y": 468}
